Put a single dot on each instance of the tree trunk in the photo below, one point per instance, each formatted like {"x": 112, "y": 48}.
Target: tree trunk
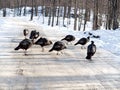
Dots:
{"x": 109, "y": 16}
{"x": 46, "y": 11}
{"x": 20, "y": 8}
{"x": 85, "y": 16}
{"x": 53, "y": 12}
{"x": 4, "y": 12}
{"x": 4, "y": 9}
{"x": 31, "y": 18}
{"x": 50, "y": 12}
{"x": 58, "y": 13}
{"x": 115, "y": 14}
{"x": 75, "y": 13}
{"x": 68, "y": 14}
{"x": 80, "y": 16}
{"x": 36, "y": 8}
{"x": 24, "y": 13}
{"x": 64, "y": 15}
{"x": 95, "y": 15}
{"x": 43, "y": 10}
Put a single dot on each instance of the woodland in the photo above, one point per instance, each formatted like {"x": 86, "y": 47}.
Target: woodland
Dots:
{"x": 102, "y": 13}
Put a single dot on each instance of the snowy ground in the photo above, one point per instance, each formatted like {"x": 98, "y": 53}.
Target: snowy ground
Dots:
{"x": 48, "y": 71}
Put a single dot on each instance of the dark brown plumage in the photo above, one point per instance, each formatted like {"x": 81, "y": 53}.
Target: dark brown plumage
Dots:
{"x": 91, "y": 49}
{"x": 95, "y": 36}
{"x": 24, "y": 44}
{"x": 69, "y": 38}
{"x": 83, "y": 41}
{"x": 34, "y": 35}
{"x": 58, "y": 46}
{"x": 43, "y": 42}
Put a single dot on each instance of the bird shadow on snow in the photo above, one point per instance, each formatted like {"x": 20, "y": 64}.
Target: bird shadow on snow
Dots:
{"x": 38, "y": 54}
{"x": 28, "y": 54}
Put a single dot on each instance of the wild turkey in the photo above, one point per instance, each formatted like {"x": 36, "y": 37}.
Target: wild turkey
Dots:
{"x": 95, "y": 36}
{"x": 43, "y": 42}
{"x": 24, "y": 44}
{"x": 34, "y": 35}
{"x": 83, "y": 41}
{"x": 25, "y": 32}
{"x": 91, "y": 49}
{"x": 58, "y": 46}
{"x": 69, "y": 38}
{"x": 90, "y": 33}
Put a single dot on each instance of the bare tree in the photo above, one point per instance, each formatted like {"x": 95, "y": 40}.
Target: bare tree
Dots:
{"x": 75, "y": 13}
{"x": 95, "y": 15}
{"x": 4, "y": 8}
{"x": 80, "y": 18}
{"x": 36, "y": 8}
{"x": 53, "y": 12}
{"x": 85, "y": 16}
{"x": 112, "y": 15}
{"x": 109, "y": 16}
{"x": 20, "y": 8}
{"x": 43, "y": 9}
{"x": 115, "y": 14}
{"x": 25, "y": 5}
{"x": 64, "y": 14}
{"x": 32, "y": 11}
{"x": 50, "y": 12}
{"x": 63, "y": 8}
{"x": 69, "y": 10}
{"x": 58, "y": 12}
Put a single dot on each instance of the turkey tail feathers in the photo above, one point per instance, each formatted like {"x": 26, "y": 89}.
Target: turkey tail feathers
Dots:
{"x": 17, "y": 48}
{"x": 50, "y": 50}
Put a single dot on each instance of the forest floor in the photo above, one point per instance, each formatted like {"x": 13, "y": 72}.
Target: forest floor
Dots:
{"x": 48, "y": 71}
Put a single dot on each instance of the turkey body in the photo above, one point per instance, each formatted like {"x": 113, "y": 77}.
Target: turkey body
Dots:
{"x": 91, "y": 49}
{"x": 43, "y": 42}
{"x": 24, "y": 44}
{"x": 34, "y": 34}
{"x": 69, "y": 38}
{"x": 58, "y": 46}
{"x": 83, "y": 41}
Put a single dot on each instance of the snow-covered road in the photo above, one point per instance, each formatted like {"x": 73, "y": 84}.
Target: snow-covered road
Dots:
{"x": 48, "y": 71}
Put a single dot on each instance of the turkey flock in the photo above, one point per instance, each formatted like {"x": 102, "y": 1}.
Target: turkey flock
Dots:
{"x": 58, "y": 46}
